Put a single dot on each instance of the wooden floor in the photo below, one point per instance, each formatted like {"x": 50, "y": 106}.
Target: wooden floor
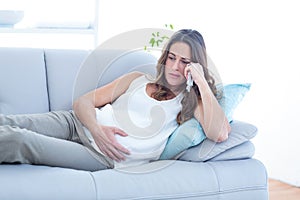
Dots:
{"x": 281, "y": 191}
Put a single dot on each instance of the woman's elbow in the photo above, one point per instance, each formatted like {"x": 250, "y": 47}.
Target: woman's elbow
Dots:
{"x": 77, "y": 103}
{"x": 222, "y": 135}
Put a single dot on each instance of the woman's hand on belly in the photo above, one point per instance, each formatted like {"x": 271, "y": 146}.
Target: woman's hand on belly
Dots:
{"x": 106, "y": 141}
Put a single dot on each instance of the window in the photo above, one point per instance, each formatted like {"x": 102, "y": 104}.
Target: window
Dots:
{"x": 52, "y": 24}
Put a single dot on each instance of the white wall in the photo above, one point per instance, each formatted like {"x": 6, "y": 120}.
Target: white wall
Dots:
{"x": 254, "y": 41}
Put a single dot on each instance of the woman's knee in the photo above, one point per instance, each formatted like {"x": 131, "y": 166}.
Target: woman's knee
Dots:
{"x": 16, "y": 146}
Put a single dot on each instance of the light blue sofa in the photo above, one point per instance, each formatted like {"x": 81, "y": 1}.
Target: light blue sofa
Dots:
{"x": 49, "y": 79}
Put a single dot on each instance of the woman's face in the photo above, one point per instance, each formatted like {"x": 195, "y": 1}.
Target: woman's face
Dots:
{"x": 179, "y": 56}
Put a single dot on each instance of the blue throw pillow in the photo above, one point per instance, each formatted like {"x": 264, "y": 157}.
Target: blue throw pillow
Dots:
{"x": 190, "y": 133}
{"x": 233, "y": 94}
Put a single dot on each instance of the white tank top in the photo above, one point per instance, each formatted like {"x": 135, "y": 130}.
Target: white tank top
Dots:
{"x": 147, "y": 122}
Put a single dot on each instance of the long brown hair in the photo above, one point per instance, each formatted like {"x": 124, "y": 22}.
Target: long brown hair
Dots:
{"x": 190, "y": 100}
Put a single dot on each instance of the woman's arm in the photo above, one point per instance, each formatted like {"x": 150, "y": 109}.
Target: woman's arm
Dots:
{"x": 84, "y": 108}
{"x": 209, "y": 112}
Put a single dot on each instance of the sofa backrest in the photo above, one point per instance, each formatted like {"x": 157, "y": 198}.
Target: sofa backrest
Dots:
{"x": 103, "y": 66}
{"x": 42, "y": 80}
{"x": 72, "y": 73}
{"x": 23, "y": 82}
{"x": 62, "y": 67}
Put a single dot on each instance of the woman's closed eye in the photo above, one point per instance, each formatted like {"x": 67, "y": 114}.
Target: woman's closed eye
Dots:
{"x": 185, "y": 62}
{"x": 172, "y": 57}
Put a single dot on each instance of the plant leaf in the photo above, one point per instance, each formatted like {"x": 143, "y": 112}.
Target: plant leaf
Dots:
{"x": 152, "y": 42}
{"x": 164, "y": 37}
{"x": 158, "y": 41}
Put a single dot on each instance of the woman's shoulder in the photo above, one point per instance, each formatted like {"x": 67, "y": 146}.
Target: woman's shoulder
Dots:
{"x": 127, "y": 79}
{"x": 139, "y": 79}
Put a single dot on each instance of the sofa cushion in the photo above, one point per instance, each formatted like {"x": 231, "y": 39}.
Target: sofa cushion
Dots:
{"x": 241, "y": 151}
{"x": 167, "y": 179}
{"x": 23, "y": 85}
{"x": 62, "y": 68}
{"x": 240, "y": 133}
{"x": 28, "y": 182}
